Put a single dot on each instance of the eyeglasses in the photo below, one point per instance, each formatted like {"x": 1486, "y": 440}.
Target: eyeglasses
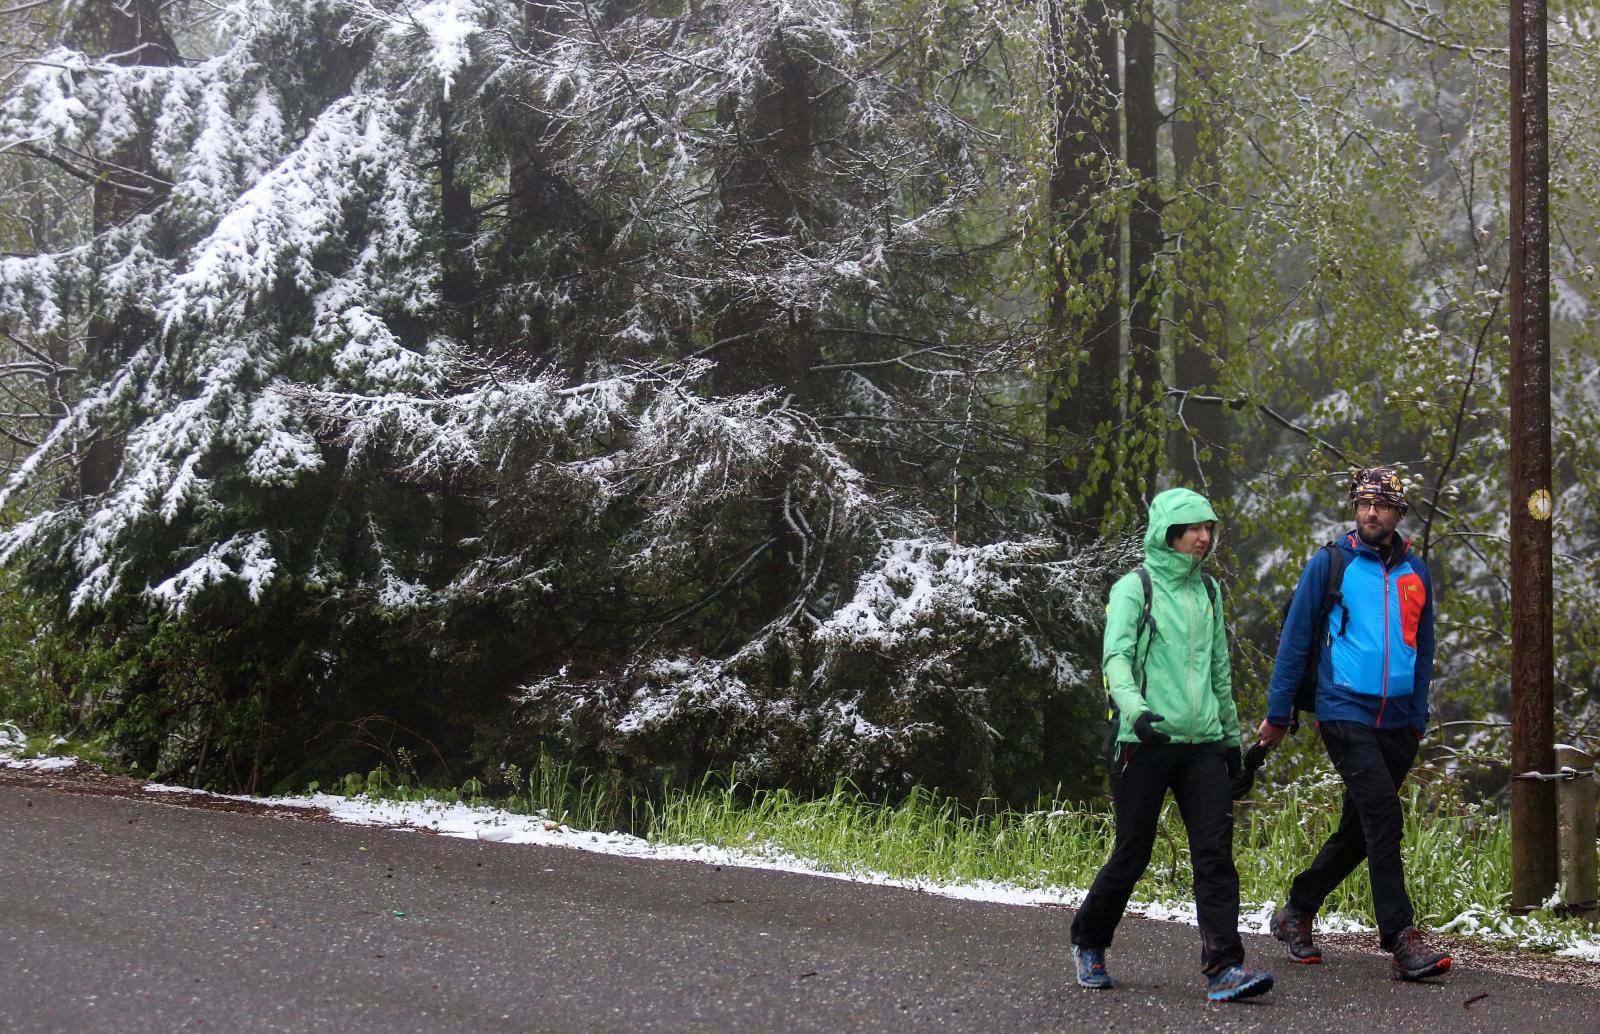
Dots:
{"x": 1373, "y": 504}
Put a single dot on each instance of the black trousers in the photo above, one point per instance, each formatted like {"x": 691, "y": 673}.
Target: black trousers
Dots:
{"x": 1373, "y": 763}
{"x": 1197, "y": 775}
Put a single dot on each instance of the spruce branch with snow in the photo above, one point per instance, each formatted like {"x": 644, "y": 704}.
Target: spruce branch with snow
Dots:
{"x": 601, "y": 365}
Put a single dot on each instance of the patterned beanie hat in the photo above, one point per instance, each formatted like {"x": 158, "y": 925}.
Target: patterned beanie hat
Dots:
{"x": 1378, "y": 483}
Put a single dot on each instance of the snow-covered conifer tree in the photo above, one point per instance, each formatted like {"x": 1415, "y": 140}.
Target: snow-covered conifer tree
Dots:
{"x": 562, "y": 372}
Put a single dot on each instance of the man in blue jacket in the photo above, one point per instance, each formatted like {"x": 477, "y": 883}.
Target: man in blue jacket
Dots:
{"x": 1374, "y": 657}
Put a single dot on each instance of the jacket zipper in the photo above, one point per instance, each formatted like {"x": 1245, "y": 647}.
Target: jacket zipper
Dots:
{"x": 1385, "y": 701}
{"x": 1194, "y": 705}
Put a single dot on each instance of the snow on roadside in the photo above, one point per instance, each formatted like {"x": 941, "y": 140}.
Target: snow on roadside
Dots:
{"x": 479, "y": 822}
{"x": 1524, "y": 931}
{"x": 39, "y": 764}
{"x": 13, "y": 742}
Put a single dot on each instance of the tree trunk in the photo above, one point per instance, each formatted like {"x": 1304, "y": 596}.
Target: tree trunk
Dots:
{"x": 1082, "y": 395}
{"x": 764, "y": 185}
{"x": 1198, "y": 312}
{"x": 545, "y": 213}
{"x": 764, "y": 189}
{"x": 131, "y": 34}
{"x": 1145, "y": 447}
{"x": 458, "y": 277}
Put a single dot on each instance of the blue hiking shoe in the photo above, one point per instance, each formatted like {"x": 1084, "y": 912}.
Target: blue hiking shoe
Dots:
{"x": 1236, "y": 983}
{"x": 1092, "y": 968}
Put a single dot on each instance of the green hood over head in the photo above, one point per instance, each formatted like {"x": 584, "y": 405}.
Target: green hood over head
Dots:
{"x": 1174, "y": 506}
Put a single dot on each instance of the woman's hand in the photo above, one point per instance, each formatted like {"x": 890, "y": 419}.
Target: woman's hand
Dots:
{"x": 1144, "y": 728}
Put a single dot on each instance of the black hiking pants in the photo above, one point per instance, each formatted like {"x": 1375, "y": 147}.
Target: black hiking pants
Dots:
{"x": 1197, "y": 775}
{"x": 1373, "y": 763}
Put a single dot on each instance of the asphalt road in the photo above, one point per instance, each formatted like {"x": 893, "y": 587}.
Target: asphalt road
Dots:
{"x": 128, "y": 915}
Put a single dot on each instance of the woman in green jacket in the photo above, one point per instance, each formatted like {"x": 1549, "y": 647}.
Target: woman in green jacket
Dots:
{"x": 1177, "y": 730}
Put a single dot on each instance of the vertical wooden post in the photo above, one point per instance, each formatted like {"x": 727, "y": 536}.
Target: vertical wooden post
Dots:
{"x": 1533, "y": 805}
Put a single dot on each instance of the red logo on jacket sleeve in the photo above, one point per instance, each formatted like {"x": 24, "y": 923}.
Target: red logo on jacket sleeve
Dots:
{"x": 1413, "y": 597}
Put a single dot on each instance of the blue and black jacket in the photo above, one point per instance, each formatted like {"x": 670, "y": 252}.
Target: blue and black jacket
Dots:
{"x": 1376, "y": 661}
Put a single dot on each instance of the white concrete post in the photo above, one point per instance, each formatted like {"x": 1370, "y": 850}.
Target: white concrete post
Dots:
{"x": 1575, "y": 829}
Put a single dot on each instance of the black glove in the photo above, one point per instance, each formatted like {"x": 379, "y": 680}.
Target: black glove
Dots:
{"x": 1144, "y": 728}
{"x": 1244, "y": 775}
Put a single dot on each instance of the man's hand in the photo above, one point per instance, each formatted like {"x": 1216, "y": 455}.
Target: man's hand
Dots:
{"x": 1144, "y": 728}
{"x": 1270, "y": 735}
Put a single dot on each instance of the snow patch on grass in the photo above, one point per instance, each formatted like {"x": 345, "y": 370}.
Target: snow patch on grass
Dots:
{"x": 477, "y": 822}
{"x": 13, "y": 742}
{"x": 39, "y": 764}
{"x": 1524, "y": 932}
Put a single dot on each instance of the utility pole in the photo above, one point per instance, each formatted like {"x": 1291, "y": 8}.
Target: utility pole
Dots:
{"x": 1533, "y": 802}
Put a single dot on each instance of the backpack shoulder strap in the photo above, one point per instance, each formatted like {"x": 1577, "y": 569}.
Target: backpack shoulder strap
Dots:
{"x": 1211, "y": 588}
{"x": 1333, "y": 595}
{"x": 1146, "y": 621}
{"x": 1336, "y": 564}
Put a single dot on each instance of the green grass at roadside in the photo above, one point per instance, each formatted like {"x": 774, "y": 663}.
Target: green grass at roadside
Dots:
{"x": 1458, "y": 854}
{"x": 559, "y": 791}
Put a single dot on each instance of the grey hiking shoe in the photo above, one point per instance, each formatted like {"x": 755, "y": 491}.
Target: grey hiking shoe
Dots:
{"x": 1414, "y": 960}
{"x": 1236, "y": 984}
{"x": 1293, "y": 928}
{"x": 1092, "y": 968}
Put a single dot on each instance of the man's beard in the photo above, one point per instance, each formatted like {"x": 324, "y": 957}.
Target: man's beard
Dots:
{"x": 1381, "y": 535}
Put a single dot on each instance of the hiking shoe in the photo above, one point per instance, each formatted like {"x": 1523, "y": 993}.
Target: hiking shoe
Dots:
{"x": 1414, "y": 960}
{"x": 1236, "y": 983}
{"x": 1293, "y": 928}
{"x": 1092, "y": 968}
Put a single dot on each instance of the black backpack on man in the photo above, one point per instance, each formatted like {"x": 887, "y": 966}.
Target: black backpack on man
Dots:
{"x": 1305, "y": 693}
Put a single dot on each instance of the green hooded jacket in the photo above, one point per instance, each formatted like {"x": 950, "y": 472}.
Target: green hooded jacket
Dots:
{"x": 1187, "y": 679}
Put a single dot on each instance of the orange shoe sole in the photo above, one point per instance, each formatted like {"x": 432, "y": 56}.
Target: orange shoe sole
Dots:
{"x": 1442, "y": 966}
